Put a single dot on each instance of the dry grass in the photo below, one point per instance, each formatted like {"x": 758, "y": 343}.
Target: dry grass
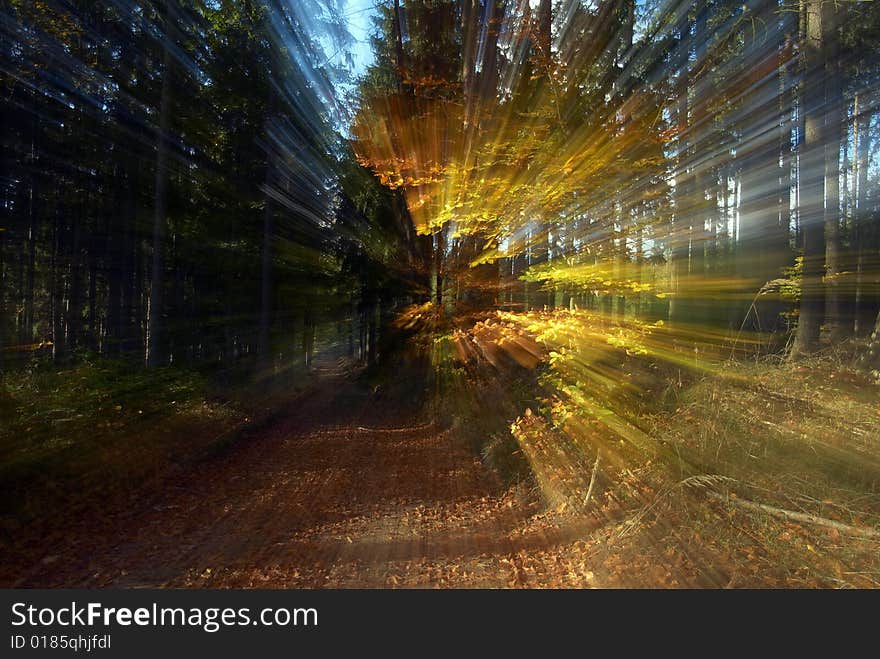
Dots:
{"x": 746, "y": 473}
{"x": 786, "y": 438}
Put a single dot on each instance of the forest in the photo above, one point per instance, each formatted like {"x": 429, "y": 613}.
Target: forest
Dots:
{"x": 440, "y": 293}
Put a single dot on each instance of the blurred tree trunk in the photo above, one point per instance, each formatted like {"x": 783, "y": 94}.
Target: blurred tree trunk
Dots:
{"x": 93, "y": 337}
{"x": 680, "y": 229}
{"x": 308, "y": 339}
{"x": 263, "y": 351}
{"x": 57, "y": 292}
{"x": 73, "y": 315}
{"x": 871, "y": 358}
{"x": 3, "y": 312}
{"x": 155, "y": 329}
{"x": 547, "y": 300}
{"x": 439, "y": 254}
{"x": 114, "y": 250}
{"x": 833, "y": 126}
{"x": 812, "y": 182}
{"x": 861, "y": 154}
{"x": 33, "y": 227}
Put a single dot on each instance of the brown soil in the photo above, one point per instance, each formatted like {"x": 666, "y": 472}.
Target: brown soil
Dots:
{"x": 344, "y": 490}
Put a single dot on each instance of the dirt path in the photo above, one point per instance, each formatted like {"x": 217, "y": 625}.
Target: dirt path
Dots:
{"x": 344, "y": 491}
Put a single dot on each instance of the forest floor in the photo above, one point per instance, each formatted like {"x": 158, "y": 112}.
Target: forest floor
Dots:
{"x": 345, "y": 490}
{"x": 358, "y": 482}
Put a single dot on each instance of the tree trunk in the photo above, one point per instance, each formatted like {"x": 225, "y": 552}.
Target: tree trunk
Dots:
{"x": 308, "y": 339}
{"x": 266, "y": 271}
{"x": 871, "y": 358}
{"x": 73, "y": 317}
{"x": 439, "y": 254}
{"x": 33, "y": 225}
{"x": 57, "y": 293}
{"x": 115, "y": 253}
{"x": 3, "y": 315}
{"x": 861, "y": 155}
{"x": 398, "y": 45}
{"x": 94, "y": 339}
{"x": 833, "y": 125}
{"x": 155, "y": 327}
{"x": 679, "y": 307}
{"x": 812, "y": 184}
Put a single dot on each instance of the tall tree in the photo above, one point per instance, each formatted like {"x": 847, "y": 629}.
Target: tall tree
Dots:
{"x": 817, "y": 22}
{"x": 155, "y": 328}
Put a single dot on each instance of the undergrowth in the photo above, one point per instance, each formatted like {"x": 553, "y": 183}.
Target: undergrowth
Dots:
{"x": 95, "y": 433}
{"x": 748, "y": 472}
